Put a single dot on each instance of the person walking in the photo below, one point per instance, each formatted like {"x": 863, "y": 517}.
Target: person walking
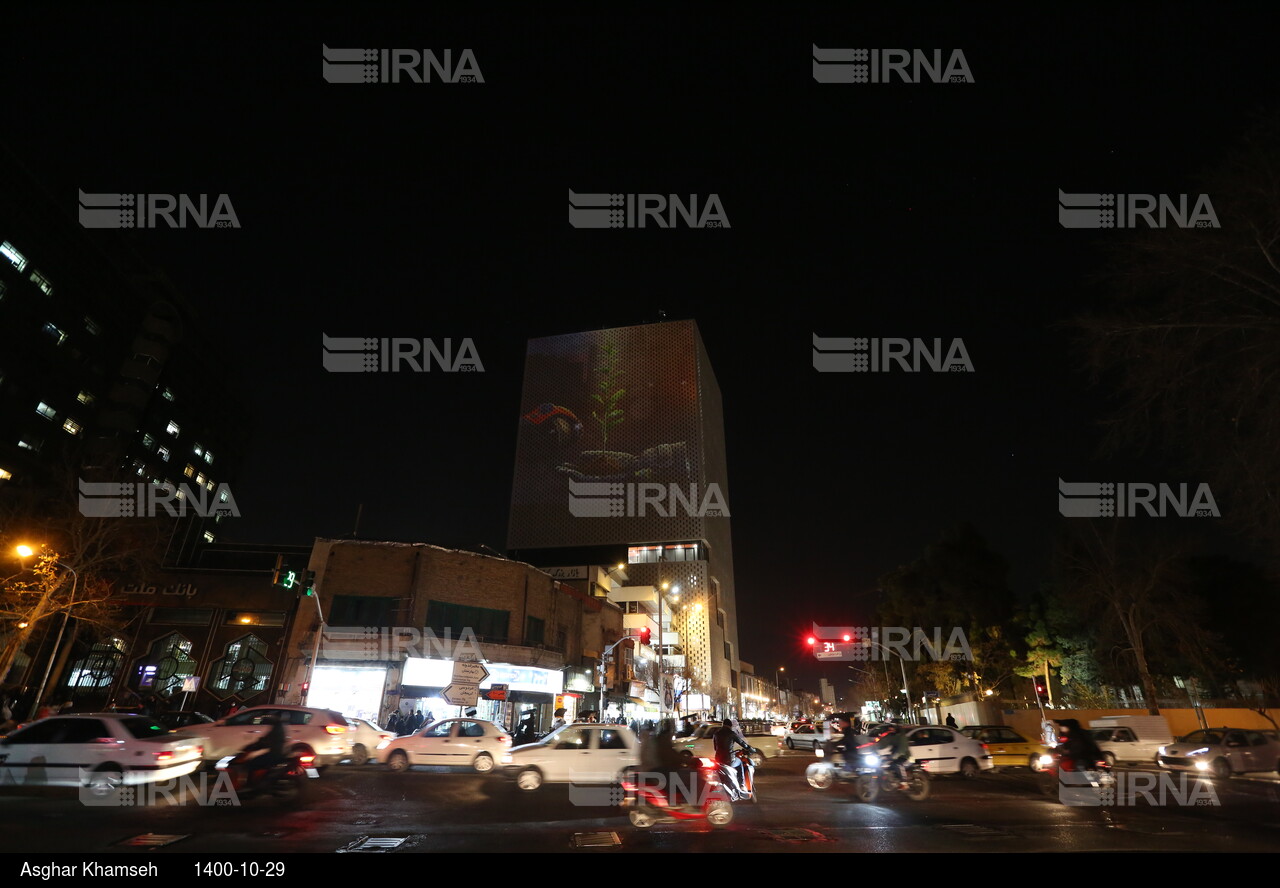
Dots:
{"x": 951, "y": 721}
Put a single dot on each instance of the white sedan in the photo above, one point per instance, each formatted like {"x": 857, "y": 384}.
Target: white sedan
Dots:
{"x": 701, "y": 744}
{"x": 366, "y": 737}
{"x": 577, "y": 753}
{"x": 943, "y": 750}
{"x": 458, "y": 742}
{"x": 100, "y": 751}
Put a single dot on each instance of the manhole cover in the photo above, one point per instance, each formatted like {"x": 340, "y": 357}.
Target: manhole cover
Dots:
{"x": 794, "y": 835}
{"x": 975, "y": 831}
{"x": 151, "y": 840}
{"x": 596, "y": 840}
{"x": 374, "y": 845}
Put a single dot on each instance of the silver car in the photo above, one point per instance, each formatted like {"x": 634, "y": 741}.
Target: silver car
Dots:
{"x": 1222, "y": 752}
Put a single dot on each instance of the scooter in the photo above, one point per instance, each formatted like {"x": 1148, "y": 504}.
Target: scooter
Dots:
{"x": 285, "y": 781}
{"x": 1079, "y": 784}
{"x": 744, "y": 791}
{"x": 871, "y": 775}
{"x": 690, "y": 794}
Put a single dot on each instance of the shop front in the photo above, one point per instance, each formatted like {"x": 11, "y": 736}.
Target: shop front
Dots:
{"x": 355, "y": 691}
{"x": 527, "y": 688}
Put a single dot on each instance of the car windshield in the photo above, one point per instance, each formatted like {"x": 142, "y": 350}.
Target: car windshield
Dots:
{"x": 1207, "y": 737}
{"x": 142, "y": 727}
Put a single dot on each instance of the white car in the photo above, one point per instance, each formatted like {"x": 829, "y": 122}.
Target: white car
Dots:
{"x": 701, "y": 744}
{"x": 100, "y": 750}
{"x": 460, "y": 742}
{"x": 319, "y": 732}
{"x": 577, "y": 753}
{"x": 804, "y": 736}
{"x": 942, "y": 750}
{"x": 366, "y": 738}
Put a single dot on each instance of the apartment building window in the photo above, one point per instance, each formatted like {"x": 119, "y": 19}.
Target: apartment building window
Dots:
{"x": 189, "y": 470}
{"x": 71, "y": 427}
{"x": 728, "y": 652}
{"x": 163, "y": 453}
{"x": 198, "y": 450}
{"x": 10, "y": 252}
{"x": 223, "y": 497}
{"x": 172, "y": 428}
{"x": 42, "y": 282}
{"x": 208, "y": 457}
{"x": 167, "y": 394}
{"x": 85, "y": 398}
{"x": 46, "y": 411}
{"x": 362, "y": 610}
{"x": 5, "y": 475}
{"x": 2, "y": 288}
{"x": 32, "y": 445}
{"x": 208, "y": 537}
{"x": 535, "y": 631}
{"x": 200, "y": 478}
{"x": 55, "y": 333}
{"x": 148, "y": 441}
{"x": 92, "y": 326}
{"x": 486, "y": 623}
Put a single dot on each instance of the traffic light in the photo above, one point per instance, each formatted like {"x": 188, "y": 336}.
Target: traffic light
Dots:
{"x": 284, "y": 577}
{"x": 309, "y": 582}
{"x": 1042, "y": 692}
{"x": 644, "y": 635}
{"x": 812, "y": 641}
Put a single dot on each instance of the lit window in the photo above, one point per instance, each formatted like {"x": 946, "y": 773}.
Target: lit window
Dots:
{"x": 172, "y": 428}
{"x": 92, "y": 326}
{"x": 148, "y": 441}
{"x": 30, "y": 445}
{"x": 189, "y": 470}
{"x": 222, "y": 497}
{"x": 46, "y": 411}
{"x": 180, "y": 494}
{"x": 209, "y": 485}
{"x": 142, "y": 470}
{"x": 200, "y": 478}
{"x": 55, "y": 333}
{"x": 42, "y": 282}
{"x": 208, "y": 537}
{"x": 208, "y": 457}
{"x": 199, "y": 450}
{"x": 167, "y": 394}
{"x": 85, "y": 397}
{"x": 72, "y": 427}
{"x": 10, "y": 252}
{"x": 164, "y": 453}
{"x": 5, "y": 476}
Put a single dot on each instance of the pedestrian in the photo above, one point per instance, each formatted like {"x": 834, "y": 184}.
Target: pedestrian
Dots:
{"x": 560, "y": 720}
{"x": 951, "y": 721}
{"x": 393, "y": 722}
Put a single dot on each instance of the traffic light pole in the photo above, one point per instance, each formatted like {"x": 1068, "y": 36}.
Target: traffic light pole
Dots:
{"x": 315, "y": 653}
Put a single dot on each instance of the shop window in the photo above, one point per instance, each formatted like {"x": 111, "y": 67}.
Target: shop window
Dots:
{"x": 243, "y": 669}
{"x": 97, "y": 671}
{"x": 167, "y": 664}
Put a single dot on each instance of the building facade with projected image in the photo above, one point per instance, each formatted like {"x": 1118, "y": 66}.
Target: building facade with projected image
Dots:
{"x": 620, "y": 459}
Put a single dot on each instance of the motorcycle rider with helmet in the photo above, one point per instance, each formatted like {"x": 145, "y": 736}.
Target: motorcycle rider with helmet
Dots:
{"x": 724, "y": 740}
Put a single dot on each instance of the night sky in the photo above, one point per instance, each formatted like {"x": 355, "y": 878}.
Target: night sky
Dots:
{"x": 439, "y": 210}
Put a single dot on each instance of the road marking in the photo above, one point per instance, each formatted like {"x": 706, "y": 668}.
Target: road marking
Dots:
{"x": 367, "y": 844}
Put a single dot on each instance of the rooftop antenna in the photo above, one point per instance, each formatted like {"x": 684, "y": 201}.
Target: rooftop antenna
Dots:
{"x": 355, "y": 531}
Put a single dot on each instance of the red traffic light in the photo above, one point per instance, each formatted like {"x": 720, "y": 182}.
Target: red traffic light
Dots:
{"x": 812, "y": 641}
{"x": 644, "y": 635}
{"x": 848, "y": 637}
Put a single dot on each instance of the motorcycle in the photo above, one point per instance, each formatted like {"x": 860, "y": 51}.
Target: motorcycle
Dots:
{"x": 744, "y": 789}
{"x": 285, "y": 781}
{"x": 871, "y": 776}
{"x": 690, "y": 794}
{"x": 1079, "y": 784}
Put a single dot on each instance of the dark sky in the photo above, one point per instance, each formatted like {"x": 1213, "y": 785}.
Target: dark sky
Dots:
{"x": 439, "y": 210}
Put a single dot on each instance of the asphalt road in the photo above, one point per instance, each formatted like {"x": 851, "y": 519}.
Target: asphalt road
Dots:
{"x": 438, "y": 810}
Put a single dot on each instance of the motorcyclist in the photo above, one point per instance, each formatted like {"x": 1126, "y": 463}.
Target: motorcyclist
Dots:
{"x": 893, "y": 744}
{"x": 273, "y": 743}
{"x": 1078, "y": 746}
{"x": 847, "y": 743}
{"x": 659, "y": 758}
{"x": 724, "y": 739}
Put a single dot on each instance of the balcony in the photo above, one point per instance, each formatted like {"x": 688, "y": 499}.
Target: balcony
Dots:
{"x": 635, "y": 622}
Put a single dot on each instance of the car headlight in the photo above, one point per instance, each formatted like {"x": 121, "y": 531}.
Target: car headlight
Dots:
{"x": 1161, "y": 751}
{"x": 819, "y": 751}
{"x": 1202, "y": 765}
{"x": 871, "y": 761}
{"x": 1046, "y": 760}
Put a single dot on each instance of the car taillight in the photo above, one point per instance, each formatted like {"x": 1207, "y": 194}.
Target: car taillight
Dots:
{"x": 336, "y": 729}
{"x": 504, "y": 739}
{"x": 306, "y": 759}
{"x": 984, "y": 748}
{"x": 163, "y": 756}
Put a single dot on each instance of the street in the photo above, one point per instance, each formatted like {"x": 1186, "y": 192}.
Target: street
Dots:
{"x": 436, "y": 810}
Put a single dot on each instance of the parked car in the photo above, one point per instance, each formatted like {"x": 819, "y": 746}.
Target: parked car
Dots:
{"x": 366, "y": 739}
{"x": 1007, "y": 748}
{"x": 943, "y": 750}
{"x": 459, "y": 742}
{"x": 702, "y": 744}
{"x": 575, "y": 753}
{"x": 100, "y": 750}
{"x": 1222, "y": 752}
{"x": 1131, "y": 738}
{"x": 182, "y": 719}
{"x": 319, "y": 732}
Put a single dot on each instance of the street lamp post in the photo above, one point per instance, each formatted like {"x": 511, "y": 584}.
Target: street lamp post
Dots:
{"x": 906, "y": 689}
